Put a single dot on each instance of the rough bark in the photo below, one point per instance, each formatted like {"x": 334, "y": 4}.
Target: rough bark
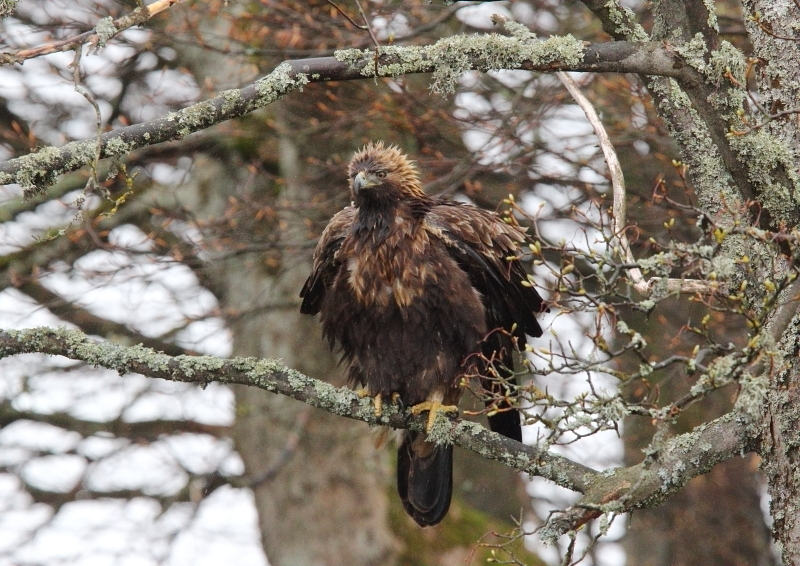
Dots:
{"x": 780, "y": 451}
{"x": 700, "y": 125}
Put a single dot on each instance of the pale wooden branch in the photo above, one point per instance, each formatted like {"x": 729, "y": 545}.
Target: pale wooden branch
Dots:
{"x": 97, "y": 37}
{"x": 619, "y": 206}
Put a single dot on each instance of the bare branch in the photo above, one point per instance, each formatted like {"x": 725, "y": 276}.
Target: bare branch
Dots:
{"x": 619, "y": 208}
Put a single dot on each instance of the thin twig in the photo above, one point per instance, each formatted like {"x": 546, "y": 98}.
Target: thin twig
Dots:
{"x": 346, "y": 16}
{"x": 368, "y": 27}
{"x": 371, "y": 34}
{"x": 83, "y": 91}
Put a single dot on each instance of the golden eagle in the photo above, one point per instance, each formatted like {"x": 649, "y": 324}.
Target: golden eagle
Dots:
{"x": 418, "y": 291}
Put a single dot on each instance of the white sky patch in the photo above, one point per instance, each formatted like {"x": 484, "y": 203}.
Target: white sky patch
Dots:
{"x": 225, "y": 531}
{"x": 213, "y": 405}
{"x": 151, "y": 469}
{"x": 480, "y": 15}
{"x": 20, "y": 311}
{"x": 54, "y": 473}
{"x": 513, "y": 78}
{"x": 394, "y": 27}
{"x": 100, "y": 445}
{"x": 39, "y": 436}
{"x": 164, "y": 295}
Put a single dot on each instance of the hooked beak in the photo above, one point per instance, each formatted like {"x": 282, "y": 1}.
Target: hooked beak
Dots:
{"x": 362, "y": 181}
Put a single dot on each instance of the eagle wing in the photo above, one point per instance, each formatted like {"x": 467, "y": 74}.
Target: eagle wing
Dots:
{"x": 487, "y": 249}
{"x": 326, "y": 262}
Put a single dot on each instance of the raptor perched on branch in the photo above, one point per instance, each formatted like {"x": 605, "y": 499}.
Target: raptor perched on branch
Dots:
{"x": 417, "y": 292}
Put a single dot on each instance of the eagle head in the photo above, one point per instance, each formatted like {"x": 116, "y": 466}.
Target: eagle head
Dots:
{"x": 379, "y": 173}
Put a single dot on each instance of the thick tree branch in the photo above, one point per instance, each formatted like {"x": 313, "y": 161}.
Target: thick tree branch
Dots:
{"x": 655, "y": 480}
{"x": 272, "y": 375}
{"x": 619, "y": 490}
{"x": 446, "y": 59}
{"x": 702, "y": 107}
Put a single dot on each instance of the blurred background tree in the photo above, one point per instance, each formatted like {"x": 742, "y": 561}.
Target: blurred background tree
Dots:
{"x": 202, "y": 245}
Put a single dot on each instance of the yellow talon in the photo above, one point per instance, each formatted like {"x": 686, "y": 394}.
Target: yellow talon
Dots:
{"x": 433, "y": 407}
{"x": 378, "y": 399}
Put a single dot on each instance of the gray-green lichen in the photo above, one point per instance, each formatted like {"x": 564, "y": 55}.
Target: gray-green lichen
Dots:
{"x": 105, "y": 30}
{"x": 752, "y": 394}
{"x": 230, "y": 98}
{"x": 712, "y": 15}
{"x": 764, "y": 154}
{"x": 625, "y": 21}
{"x": 727, "y": 58}
{"x": 279, "y": 82}
{"x": 658, "y": 265}
{"x": 118, "y": 146}
{"x": 724, "y": 266}
{"x": 453, "y": 56}
{"x": 519, "y": 31}
{"x": 194, "y": 117}
{"x": 450, "y": 57}
{"x": 441, "y": 432}
{"x": 612, "y": 408}
{"x": 39, "y": 170}
{"x": 7, "y": 7}
{"x": 693, "y": 51}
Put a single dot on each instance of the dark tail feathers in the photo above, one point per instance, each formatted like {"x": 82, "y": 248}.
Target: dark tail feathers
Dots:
{"x": 424, "y": 478}
{"x": 499, "y": 347}
{"x": 506, "y": 422}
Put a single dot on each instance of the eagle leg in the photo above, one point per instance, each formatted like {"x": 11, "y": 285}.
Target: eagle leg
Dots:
{"x": 433, "y": 407}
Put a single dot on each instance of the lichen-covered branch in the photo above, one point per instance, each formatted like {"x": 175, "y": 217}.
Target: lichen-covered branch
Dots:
{"x": 653, "y": 481}
{"x": 705, "y": 104}
{"x": 446, "y": 59}
{"x": 619, "y": 490}
{"x": 272, "y": 375}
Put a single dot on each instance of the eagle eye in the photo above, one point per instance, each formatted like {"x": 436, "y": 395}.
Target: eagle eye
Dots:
{"x": 380, "y": 174}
